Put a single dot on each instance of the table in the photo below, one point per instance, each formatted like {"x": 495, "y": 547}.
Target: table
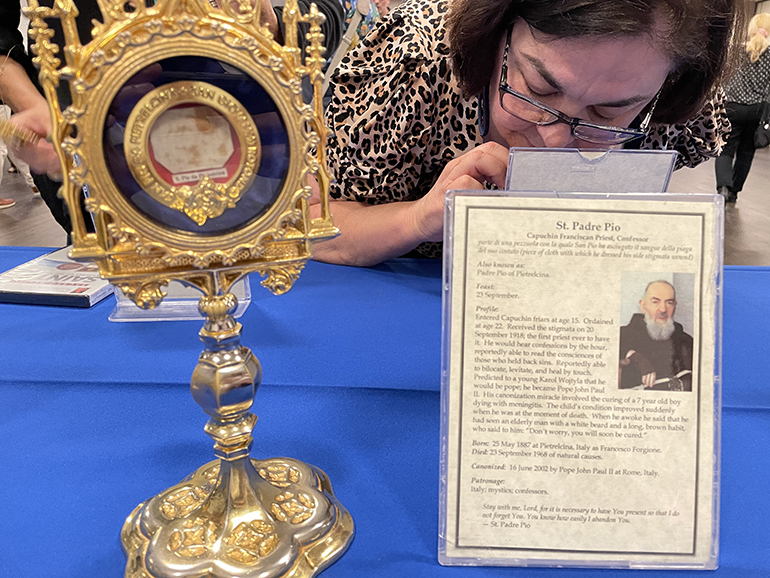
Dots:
{"x": 97, "y": 416}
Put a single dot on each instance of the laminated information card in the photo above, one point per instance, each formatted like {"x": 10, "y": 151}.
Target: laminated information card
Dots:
{"x": 580, "y": 399}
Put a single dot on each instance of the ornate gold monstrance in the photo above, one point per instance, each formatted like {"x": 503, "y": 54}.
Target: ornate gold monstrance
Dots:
{"x": 185, "y": 125}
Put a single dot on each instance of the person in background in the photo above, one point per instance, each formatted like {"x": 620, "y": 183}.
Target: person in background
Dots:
{"x": 360, "y": 18}
{"x": 434, "y": 96}
{"x": 383, "y": 7}
{"x": 375, "y": 10}
{"x": 745, "y": 92}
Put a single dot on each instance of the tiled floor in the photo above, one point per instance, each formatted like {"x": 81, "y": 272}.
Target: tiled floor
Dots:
{"x": 747, "y": 223}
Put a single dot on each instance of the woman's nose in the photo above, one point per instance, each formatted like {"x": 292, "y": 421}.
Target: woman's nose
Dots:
{"x": 556, "y": 135}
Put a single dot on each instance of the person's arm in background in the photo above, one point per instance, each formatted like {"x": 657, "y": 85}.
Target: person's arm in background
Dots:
{"x": 30, "y": 112}
{"x": 20, "y": 93}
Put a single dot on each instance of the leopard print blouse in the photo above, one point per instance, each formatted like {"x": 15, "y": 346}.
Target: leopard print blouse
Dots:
{"x": 397, "y": 115}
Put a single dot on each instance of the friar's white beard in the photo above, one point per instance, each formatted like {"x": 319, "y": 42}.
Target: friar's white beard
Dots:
{"x": 657, "y": 331}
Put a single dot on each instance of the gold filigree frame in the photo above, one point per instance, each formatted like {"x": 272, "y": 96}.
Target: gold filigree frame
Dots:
{"x": 132, "y": 249}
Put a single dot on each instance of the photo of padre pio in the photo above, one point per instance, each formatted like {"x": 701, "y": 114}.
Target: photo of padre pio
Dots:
{"x": 655, "y": 351}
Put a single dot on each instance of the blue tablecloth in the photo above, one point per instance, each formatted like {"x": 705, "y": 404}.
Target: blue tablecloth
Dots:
{"x": 97, "y": 416}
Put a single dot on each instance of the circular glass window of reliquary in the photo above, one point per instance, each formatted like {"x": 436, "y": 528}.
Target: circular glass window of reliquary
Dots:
{"x": 197, "y": 145}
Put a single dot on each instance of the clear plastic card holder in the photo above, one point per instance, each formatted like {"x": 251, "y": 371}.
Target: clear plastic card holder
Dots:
{"x": 180, "y": 304}
{"x": 592, "y": 171}
{"x": 554, "y": 306}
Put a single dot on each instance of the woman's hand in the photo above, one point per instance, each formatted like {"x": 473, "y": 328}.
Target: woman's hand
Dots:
{"x": 485, "y": 163}
{"x": 370, "y": 234}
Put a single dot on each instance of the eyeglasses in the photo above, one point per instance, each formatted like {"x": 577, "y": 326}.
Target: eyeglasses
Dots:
{"x": 530, "y": 110}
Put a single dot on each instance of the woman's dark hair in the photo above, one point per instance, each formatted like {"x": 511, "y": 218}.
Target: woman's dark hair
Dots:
{"x": 699, "y": 35}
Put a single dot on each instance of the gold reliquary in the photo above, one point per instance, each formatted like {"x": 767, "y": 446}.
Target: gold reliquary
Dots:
{"x": 188, "y": 131}
{"x": 188, "y": 153}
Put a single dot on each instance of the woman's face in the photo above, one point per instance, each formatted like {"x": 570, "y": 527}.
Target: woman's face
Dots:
{"x": 607, "y": 81}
